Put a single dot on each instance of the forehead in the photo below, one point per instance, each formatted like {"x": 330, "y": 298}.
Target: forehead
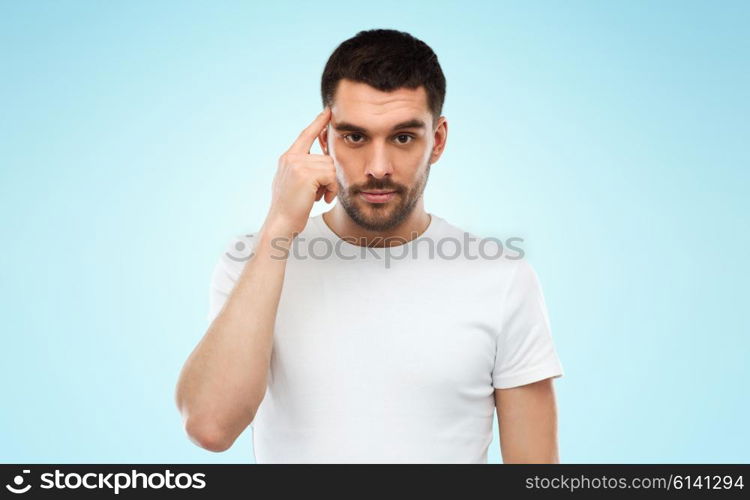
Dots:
{"x": 373, "y": 109}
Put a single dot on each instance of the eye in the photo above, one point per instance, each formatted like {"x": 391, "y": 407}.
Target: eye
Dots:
{"x": 347, "y": 137}
{"x": 407, "y": 137}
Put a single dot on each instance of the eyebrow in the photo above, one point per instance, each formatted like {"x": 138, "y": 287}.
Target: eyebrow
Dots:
{"x": 349, "y": 127}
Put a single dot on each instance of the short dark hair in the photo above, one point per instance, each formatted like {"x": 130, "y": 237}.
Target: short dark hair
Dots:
{"x": 387, "y": 60}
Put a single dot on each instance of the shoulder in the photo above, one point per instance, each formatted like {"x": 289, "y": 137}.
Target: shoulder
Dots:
{"x": 502, "y": 258}
{"x": 237, "y": 251}
{"x": 486, "y": 246}
{"x": 240, "y": 248}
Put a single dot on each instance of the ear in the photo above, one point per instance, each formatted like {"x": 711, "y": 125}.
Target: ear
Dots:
{"x": 323, "y": 140}
{"x": 441, "y": 136}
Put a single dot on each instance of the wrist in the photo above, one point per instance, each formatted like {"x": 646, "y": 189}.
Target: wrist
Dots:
{"x": 276, "y": 229}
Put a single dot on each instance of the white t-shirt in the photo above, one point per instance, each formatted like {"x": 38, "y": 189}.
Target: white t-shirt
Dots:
{"x": 393, "y": 354}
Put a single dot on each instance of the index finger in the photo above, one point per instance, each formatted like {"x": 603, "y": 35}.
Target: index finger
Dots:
{"x": 307, "y": 137}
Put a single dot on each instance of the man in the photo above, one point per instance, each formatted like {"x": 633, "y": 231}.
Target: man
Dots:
{"x": 373, "y": 341}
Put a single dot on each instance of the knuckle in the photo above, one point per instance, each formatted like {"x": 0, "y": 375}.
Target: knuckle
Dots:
{"x": 292, "y": 160}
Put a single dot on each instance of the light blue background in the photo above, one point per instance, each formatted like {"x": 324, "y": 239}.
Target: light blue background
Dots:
{"x": 137, "y": 138}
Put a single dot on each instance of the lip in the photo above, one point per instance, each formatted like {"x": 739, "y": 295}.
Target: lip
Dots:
{"x": 375, "y": 197}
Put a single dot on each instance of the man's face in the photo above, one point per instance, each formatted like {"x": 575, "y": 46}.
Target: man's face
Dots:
{"x": 381, "y": 141}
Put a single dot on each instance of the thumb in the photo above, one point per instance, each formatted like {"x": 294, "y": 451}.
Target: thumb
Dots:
{"x": 331, "y": 193}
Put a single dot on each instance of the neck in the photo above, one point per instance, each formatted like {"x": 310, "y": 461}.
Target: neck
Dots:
{"x": 345, "y": 228}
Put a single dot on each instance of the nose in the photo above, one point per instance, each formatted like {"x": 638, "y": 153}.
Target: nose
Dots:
{"x": 379, "y": 164}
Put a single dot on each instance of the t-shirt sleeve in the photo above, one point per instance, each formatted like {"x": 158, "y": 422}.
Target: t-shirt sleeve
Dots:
{"x": 525, "y": 351}
{"x": 226, "y": 271}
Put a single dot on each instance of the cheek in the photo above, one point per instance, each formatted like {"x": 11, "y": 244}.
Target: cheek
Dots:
{"x": 346, "y": 160}
{"x": 349, "y": 162}
{"x": 417, "y": 162}
{"x": 345, "y": 174}
{"x": 338, "y": 150}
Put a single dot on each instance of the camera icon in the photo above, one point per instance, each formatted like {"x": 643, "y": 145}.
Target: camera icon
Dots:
{"x": 18, "y": 481}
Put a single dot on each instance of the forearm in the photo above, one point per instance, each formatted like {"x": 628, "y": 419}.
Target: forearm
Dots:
{"x": 224, "y": 379}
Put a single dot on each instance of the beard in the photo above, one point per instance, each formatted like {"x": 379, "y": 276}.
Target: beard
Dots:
{"x": 382, "y": 216}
